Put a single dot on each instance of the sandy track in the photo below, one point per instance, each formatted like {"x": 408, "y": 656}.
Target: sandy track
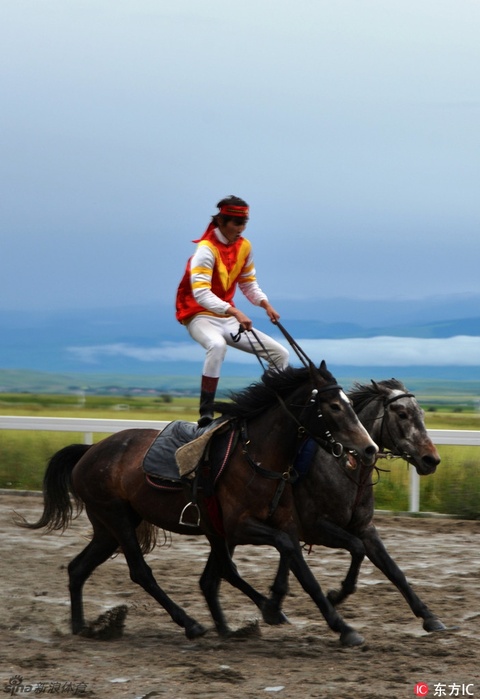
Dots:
{"x": 297, "y": 661}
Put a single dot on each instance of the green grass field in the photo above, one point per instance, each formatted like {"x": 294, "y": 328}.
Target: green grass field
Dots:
{"x": 454, "y": 489}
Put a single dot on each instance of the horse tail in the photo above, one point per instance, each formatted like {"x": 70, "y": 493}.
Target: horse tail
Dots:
{"x": 147, "y": 535}
{"x": 58, "y": 508}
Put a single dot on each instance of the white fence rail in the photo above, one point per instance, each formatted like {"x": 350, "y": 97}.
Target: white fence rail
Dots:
{"x": 88, "y": 426}
{"x": 76, "y": 424}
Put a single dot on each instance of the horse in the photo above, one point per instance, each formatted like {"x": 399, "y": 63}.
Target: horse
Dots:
{"x": 254, "y": 493}
{"x": 335, "y": 500}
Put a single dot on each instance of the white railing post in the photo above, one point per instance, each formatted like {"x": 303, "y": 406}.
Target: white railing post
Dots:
{"x": 414, "y": 494}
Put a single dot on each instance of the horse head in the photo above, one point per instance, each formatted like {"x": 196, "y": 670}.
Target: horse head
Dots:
{"x": 332, "y": 421}
{"x": 396, "y": 422}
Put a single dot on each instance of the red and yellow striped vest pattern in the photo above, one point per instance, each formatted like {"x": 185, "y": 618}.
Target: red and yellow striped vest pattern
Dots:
{"x": 230, "y": 264}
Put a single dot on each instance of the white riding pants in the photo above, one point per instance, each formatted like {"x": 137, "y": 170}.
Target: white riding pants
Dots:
{"x": 215, "y": 334}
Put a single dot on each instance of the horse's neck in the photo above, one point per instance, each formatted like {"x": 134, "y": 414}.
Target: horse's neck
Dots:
{"x": 274, "y": 429}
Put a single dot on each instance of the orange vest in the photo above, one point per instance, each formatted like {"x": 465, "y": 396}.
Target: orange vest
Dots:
{"x": 229, "y": 265}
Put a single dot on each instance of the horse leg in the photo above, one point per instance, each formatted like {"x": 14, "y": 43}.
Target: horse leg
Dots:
{"x": 290, "y": 551}
{"x": 120, "y": 521}
{"x": 349, "y": 584}
{"x": 332, "y": 536}
{"x": 379, "y": 556}
{"x": 101, "y": 547}
{"x": 209, "y": 585}
{"x": 278, "y": 591}
{"x": 348, "y": 636}
{"x": 220, "y": 565}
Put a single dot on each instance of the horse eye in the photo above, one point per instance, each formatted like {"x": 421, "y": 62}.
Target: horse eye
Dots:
{"x": 403, "y": 415}
{"x": 335, "y": 407}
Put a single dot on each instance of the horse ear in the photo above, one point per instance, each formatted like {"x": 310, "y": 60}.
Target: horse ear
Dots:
{"x": 374, "y": 384}
{"x": 323, "y": 365}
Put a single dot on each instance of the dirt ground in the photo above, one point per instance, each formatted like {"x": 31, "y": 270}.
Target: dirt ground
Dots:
{"x": 296, "y": 661}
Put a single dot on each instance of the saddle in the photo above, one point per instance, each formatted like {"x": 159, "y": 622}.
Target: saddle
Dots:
{"x": 179, "y": 449}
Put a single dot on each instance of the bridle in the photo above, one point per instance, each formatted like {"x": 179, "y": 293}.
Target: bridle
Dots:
{"x": 290, "y": 475}
{"x": 388, "y": 455}
{"x": 326, "y": 441}
{"x": 385, "y": 427}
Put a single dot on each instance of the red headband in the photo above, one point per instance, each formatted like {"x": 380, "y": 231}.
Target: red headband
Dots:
{"x": 231, "y": 210}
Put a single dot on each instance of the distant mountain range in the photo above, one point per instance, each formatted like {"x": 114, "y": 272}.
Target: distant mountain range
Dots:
{"x": 43, "y": 342}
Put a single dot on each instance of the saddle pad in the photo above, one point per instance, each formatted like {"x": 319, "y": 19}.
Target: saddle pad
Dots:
{"x": 160, "y": 460}
{"x": 304, "y": 457}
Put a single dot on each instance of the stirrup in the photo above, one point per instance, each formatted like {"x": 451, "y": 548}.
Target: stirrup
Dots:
{"x": 190, "y": 524}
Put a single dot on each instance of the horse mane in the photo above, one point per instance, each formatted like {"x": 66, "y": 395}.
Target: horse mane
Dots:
{"x": 362, "y": 395}
{"x": 262, "y": 395}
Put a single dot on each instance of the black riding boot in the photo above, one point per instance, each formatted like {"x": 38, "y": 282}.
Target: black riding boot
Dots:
{"x": 207, "y": 396}
{"x": 206, "y": 408}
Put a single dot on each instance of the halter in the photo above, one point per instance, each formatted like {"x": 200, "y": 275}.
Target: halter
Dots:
{"x": 389, "y": 454}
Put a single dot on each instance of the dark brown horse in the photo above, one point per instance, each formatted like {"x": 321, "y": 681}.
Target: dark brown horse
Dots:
{"x": 335, "y": 500}
{"x": 254, "y": 493}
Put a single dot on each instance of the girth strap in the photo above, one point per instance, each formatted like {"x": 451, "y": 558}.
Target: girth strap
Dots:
{"x": 289, "y": 476}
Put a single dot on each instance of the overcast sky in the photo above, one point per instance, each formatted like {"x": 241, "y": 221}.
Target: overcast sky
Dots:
{"x": 350, "y": 126}
{"x": 376, "y": 351}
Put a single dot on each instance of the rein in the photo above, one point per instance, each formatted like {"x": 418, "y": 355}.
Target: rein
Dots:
{"x": 330, "y": 444}
{"x": 306, "y": 361}
{"x": 304, "y": 358}
{"x": 335, "y": 448}
{"x": 288, "y": 476}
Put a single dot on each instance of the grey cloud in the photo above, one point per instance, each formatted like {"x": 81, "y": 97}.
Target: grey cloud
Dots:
{"x": 375, "y": 351}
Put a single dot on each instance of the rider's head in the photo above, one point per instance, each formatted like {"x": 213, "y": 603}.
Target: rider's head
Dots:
{"x": 232, "y": 209}
{"x": 232, "y": 217}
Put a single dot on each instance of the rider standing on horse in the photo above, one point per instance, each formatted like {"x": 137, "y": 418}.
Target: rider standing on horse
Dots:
{"x": 222, "y": 260}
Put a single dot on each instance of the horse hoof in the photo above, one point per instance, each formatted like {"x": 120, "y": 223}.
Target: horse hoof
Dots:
{"x": 273, "y": 616}
{"x": 195, "y": 631}
{"x": 351, "y": 638}
{"x": 225, "y": 634}
{"x": 433, "y": 625}
{"x": 276, "y": 619}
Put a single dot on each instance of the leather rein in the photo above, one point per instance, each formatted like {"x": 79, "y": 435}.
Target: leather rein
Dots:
{"x": 327, "y": 441}
{"x": 290, "y": 475}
